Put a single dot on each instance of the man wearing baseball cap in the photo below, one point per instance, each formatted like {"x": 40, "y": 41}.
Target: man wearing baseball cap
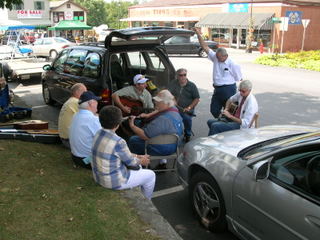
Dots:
{"x": 136, "y": 92}
{"x": 85, "y": 124}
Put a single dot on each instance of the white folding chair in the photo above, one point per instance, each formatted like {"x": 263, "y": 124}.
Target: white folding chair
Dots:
{"x": 164, "y": 139}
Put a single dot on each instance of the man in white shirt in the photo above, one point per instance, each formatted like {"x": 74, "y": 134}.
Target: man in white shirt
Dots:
{"x": 225, "y": 75}
{"x": 84, "y": 126}
{"x": 242, "y": 118}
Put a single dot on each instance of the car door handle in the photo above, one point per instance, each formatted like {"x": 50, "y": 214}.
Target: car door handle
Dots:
{"x": 313, "y": 220}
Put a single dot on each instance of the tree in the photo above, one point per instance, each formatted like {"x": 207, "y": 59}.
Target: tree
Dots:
{"x": 9, "y": 3}
{"x": 117, "y": 10}
{"x": 96, "y": 11}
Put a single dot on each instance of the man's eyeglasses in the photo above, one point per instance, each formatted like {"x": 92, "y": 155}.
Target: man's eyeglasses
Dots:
{"x": 182, "y": 75}
{"x": 243, "y": 90}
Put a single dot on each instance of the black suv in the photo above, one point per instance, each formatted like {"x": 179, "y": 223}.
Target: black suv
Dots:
{"x": 109, "y": 67}
{"x": 187, "y": 45}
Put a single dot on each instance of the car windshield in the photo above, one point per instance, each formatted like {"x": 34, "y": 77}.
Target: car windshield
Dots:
{"x": 268, "y": 146}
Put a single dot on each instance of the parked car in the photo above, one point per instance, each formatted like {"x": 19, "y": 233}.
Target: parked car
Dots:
{"x": 109, "y": 67}
{"x": 187, "y": 45}
{"x": 50, "y": 46}
{"x": 261, "y": 183}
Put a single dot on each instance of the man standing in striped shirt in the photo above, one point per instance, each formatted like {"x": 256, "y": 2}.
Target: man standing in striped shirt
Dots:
{"x": 113, "y": 165}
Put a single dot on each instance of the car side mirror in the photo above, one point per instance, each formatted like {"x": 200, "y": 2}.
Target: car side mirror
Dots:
{"x": 47, "y": 67}
{"x": 261, "y": 170}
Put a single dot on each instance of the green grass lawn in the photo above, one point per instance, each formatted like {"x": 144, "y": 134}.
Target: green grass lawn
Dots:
{"x": 42, "y": 196}
{"x": 307, "y": 60}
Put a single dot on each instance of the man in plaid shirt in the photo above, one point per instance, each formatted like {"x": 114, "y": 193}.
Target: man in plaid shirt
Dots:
{"x": 113, "y": 165}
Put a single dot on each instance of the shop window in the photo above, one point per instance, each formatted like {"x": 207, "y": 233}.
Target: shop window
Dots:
{"x": 78, "y": 16}
{"x": 39, "y": 5}
{"x": 55, "y": 17}
{"x": 18, "y": 6}
{"x": 61, "y": 16}
{"x": 136, "y": 24}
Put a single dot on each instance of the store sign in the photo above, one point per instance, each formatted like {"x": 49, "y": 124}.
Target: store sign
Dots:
{"x": 68, "y": 15}
{"x": 29, "y": 14}
{"x": 276, "y": 20}
{"x": 284, "y": 24}
{"x": 238, "y": 7}
{"x": 294, "y": 17}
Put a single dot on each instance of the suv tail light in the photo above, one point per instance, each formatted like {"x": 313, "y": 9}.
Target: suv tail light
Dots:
{"x": 106, "y": 97}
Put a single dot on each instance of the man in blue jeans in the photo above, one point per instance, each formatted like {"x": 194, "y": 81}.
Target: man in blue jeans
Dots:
{"x": 187, "y": 97}
{"x": 166, "y": 120}
{"x": 225, "y": 75}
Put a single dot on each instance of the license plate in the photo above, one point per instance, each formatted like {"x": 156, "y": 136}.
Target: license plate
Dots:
{"x": 25, "y": 76}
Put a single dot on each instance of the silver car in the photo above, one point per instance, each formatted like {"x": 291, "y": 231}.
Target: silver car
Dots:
{"x": 50, "y": 46}
{"x": 260, "y": 183}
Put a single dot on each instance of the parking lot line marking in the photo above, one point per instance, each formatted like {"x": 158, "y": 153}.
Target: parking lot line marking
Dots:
{"x": 40, "y": 106}
{"x": 19, "y": 89}
{"x": 167, "y": 191}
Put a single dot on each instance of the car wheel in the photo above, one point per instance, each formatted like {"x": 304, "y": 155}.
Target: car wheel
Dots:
{"x": 207, "y": 202}
{"x": 202, "y": 53}
{"x": 53, "y": 54}
{"x": 46, "y": 95}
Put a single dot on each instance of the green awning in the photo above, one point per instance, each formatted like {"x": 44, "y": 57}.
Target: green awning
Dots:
{"x": 70, "y": 25}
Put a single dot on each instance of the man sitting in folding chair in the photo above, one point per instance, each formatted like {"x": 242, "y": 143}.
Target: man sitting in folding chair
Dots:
{"x": 166, "y": 121}
{"x": 243, "y": 116}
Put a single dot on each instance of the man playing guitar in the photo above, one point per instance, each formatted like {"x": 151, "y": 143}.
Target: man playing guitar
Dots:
{"x": 127, "y": 97}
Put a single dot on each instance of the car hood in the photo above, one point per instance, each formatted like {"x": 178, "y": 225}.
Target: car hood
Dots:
{"x": 148, "y": 34}
{"x": 232, "y": 142}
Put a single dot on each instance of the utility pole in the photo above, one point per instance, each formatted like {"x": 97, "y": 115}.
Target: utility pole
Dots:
{"x": 250, "y": 30}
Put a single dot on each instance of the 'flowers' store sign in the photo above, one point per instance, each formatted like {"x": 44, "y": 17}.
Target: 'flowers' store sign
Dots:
{"x": 29, "y": 14}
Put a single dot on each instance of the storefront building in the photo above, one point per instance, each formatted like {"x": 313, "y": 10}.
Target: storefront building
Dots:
{"x": 68, "y": 20}
{"x": 230, "y": 22}
{"x": 34, "y": 13}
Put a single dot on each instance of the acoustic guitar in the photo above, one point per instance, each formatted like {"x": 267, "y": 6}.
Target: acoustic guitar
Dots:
{"x": 135, "y": 105}
{"x": 29, "y": 124}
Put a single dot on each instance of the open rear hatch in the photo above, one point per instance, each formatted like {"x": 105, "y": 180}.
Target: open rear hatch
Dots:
{"x": 143, "y": 35}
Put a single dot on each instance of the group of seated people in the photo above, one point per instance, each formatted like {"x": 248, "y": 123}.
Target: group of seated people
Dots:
{"x": 117, "y": 163}
{"x": 94, "y": 143}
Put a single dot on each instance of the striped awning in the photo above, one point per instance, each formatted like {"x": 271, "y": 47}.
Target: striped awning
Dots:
{"x": 237, "y": 20}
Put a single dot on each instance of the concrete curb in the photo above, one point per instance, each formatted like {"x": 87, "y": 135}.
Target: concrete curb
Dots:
{"x": 145, "y": 208}
{"x": 150, "y": 214}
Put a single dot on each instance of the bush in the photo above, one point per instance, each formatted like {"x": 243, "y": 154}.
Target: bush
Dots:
{"x": 307, "y": 60}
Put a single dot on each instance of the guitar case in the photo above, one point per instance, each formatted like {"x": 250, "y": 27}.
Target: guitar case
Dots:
{"x": 39, "y": 136}
{"x": 8, "y": 112}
